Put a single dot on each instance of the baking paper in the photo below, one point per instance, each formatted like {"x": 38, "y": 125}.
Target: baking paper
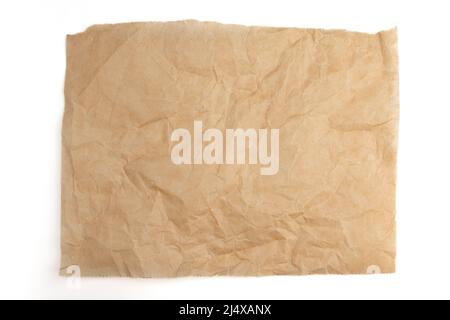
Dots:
{"x": 200, "y": 149}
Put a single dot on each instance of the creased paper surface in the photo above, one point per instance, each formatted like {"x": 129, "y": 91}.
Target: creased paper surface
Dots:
{"x": 129, "y": 210}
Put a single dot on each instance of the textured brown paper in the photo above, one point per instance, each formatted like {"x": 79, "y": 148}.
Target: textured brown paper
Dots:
{"x": 128, "y": 210}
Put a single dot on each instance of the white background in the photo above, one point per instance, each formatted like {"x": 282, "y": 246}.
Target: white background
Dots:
{"x": 32, "y": 66}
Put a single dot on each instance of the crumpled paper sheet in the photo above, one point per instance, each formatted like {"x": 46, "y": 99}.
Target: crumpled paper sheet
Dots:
{"x": 127, "y": 210}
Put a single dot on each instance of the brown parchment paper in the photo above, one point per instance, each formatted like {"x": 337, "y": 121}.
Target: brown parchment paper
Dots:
{"x": 128, "y": 210}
